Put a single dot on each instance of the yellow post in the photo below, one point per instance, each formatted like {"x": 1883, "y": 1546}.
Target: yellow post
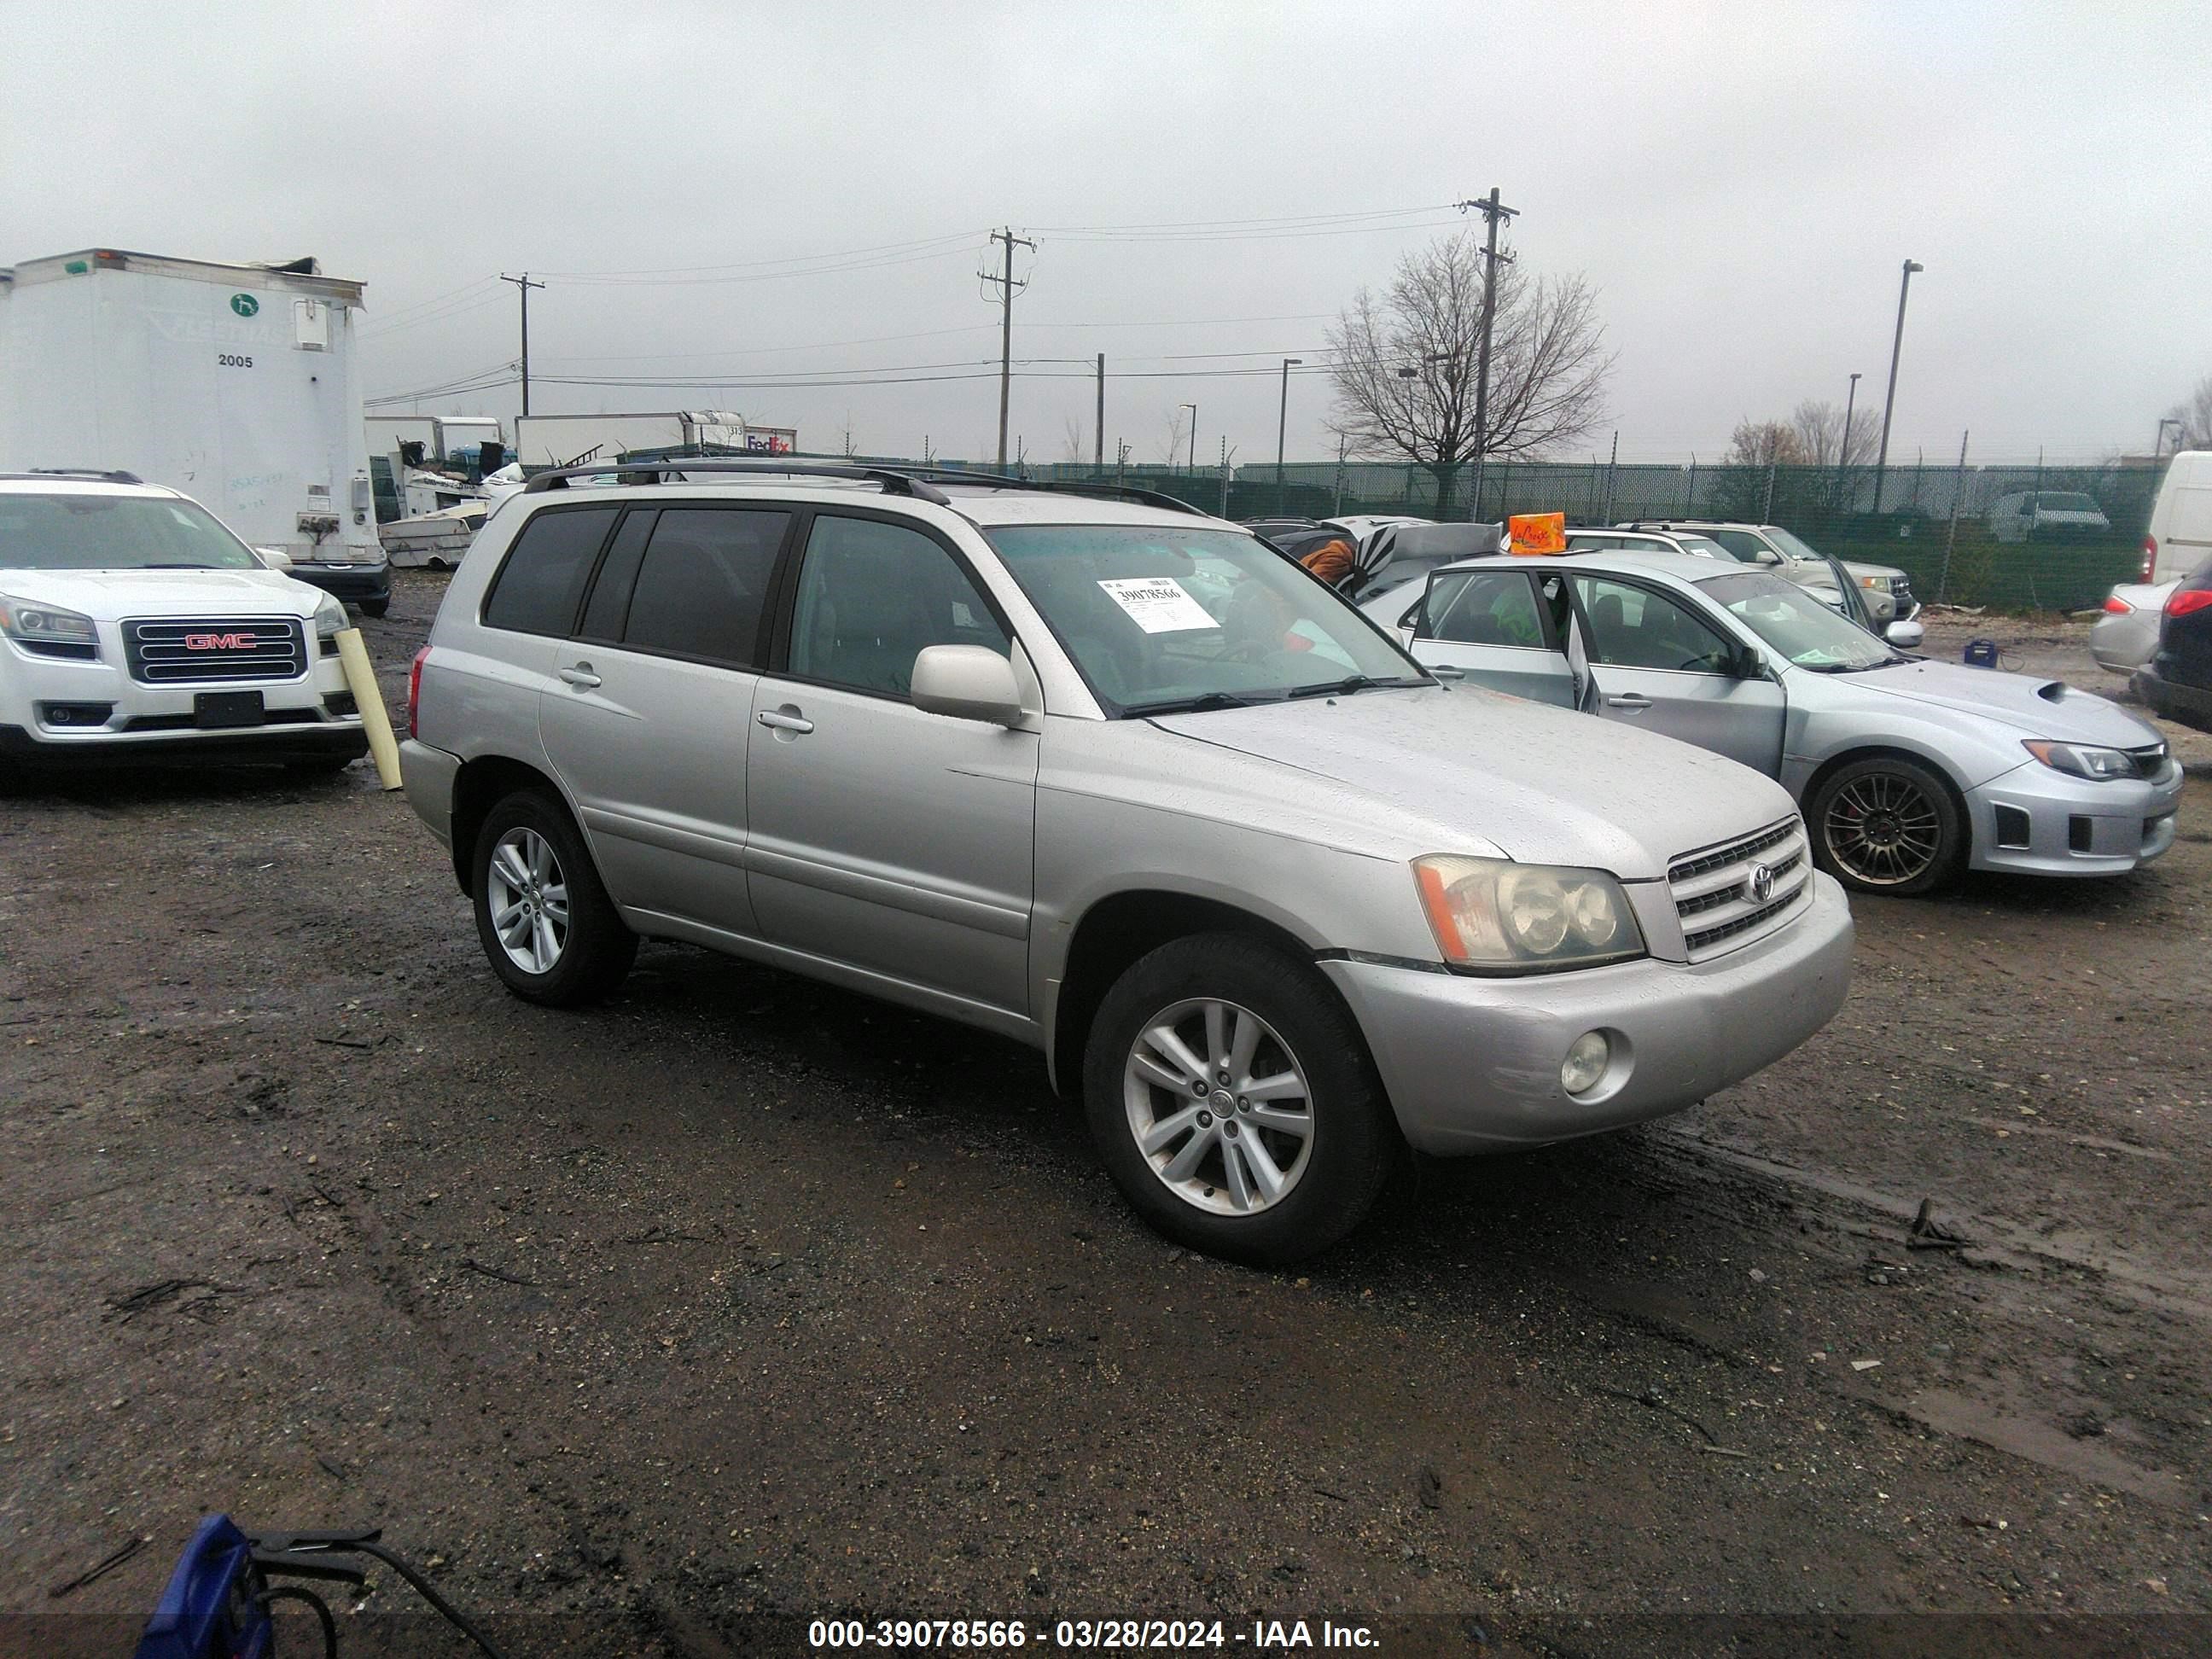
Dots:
{"x": 360, "y": 679}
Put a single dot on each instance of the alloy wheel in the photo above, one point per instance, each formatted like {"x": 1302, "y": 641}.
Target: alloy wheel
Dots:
{"x": 1883, "y": 829}
{"x": 528, "y": 896}
{"x": 1218, "y": 1106}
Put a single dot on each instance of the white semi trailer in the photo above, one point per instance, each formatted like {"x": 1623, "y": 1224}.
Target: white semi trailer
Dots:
{"x": 237, "y": 384}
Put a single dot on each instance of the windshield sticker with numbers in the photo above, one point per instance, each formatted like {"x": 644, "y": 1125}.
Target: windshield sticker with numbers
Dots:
{"x": 1158, "y": 604}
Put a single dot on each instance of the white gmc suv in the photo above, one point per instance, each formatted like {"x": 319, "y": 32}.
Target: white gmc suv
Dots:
{"x": 135, "y": 627}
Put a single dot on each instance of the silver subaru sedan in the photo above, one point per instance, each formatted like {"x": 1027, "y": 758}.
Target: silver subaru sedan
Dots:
{"x": 1908, "y": 771}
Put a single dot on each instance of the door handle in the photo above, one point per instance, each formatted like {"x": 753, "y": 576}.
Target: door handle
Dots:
{"x": 786, "y": 720}
{"x": 581, "y": 676}
{"x": 1631, "y": 699}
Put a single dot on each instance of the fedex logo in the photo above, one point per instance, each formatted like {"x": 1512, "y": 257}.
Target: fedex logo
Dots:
{"x": 221, "y": 641}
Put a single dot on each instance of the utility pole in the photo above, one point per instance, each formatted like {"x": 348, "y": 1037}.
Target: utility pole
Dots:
{"x": 1494, "y": 214}
{"x": 1282, "y": 425}
{"x": 1881, "y": 460}
{"x": 1098, "y": 436}
{"x": 1193, "y": 408}
{"x": 523, "y": 285}
{"x": 1007, "y": 288}
{"x": 1843, "y": 448}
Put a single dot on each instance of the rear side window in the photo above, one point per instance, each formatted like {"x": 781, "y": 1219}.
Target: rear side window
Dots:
{"x": 704, "y": 582}
{"x": 539, "y": 587}
{"x": 1487, "y": 607}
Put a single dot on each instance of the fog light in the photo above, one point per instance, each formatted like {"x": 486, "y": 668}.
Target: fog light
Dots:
{"x": 1586, "y": 1062}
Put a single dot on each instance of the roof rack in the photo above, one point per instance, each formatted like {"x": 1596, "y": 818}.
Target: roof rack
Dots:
{"x": 1062, "y": 487}
{"x": 77, "y": 473}
{"x": 655, "y": 472}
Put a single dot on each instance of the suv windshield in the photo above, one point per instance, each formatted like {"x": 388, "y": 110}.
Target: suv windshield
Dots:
{"x": 67, "y": 531}
{"x": 1795, "y": 623}
{"x": 2066, "y": 501}
{"x": 1792, "y": 545}
{"x": 1164, "y": 619}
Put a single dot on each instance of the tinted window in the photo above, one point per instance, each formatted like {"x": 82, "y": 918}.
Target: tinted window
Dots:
{"x": 1741, "y": 543}
{"x": 1484, "y": 607}
{"x": 1632, "y": 626}
{"x": 540, "y": 585}
{"x": 871, "y": 596}
{"x": 704, "y": 583}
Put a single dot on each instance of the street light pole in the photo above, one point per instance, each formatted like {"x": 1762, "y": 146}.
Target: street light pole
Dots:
{"x": 1193, "y": 408}
{"x": 1843, "y": 445}
{"x": 1881, "y": 460}
{"x": 1282, "y": 426}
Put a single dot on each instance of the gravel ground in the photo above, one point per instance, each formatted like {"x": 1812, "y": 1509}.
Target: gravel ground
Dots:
{"x": 741, "y": 1296}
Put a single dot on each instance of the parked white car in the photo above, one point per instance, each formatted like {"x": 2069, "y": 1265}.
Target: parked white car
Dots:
{"x": 135, "y": 627}
{"x": 2044, "y": 515}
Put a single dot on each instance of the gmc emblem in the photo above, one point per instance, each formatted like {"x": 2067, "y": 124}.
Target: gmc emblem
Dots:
{"x": 221, "y": 641}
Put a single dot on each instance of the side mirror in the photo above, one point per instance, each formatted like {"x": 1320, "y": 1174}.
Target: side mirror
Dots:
{"x": 275, "y": 558}
{"x": 1904, "y": 634}
{"x": 1748, "y": 665}
{"x": 1766, "y": 556}
{"x": 968, "y": 682}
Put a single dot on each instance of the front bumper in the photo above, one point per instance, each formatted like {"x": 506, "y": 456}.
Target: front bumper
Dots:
{"x": 347, "y": 580}
{"x": 1472, "y": 1065}
{"x": 2075, "y": 826}
{"x": 263, "y": 745}
{"x": 2122, "y": 644}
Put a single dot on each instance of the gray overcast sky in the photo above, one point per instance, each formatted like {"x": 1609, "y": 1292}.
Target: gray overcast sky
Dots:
{"x": 1741, "y": 183}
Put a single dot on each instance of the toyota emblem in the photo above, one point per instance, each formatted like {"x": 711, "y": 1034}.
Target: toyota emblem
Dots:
{"x": 1759, "y": 884}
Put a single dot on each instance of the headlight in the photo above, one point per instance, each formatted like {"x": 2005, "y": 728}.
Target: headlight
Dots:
{"x": 331, "y": 615}
{"x": 1880, "y": 584}
{"x": 1494, "y": 916}
{"x": 2082, "y": 760}
{"x": 47, "y": 630}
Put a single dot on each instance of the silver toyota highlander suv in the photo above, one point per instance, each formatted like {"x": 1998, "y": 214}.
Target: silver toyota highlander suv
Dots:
{"x": 1117, "y": 780}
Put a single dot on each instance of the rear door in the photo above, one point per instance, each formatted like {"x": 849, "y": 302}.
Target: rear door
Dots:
{"x": 2181, "y": 518}
{"x": 1657, "y": 661}
{"x": 884, "y": 838}
{"x": 649, "y": 712}
{"x": 1494, "y": 626}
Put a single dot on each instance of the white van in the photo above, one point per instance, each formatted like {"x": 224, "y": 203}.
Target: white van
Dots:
{"x": 2180, "y": 535}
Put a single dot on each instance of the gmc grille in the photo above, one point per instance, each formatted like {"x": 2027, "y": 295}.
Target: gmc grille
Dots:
{"x": 1729, "y": 894}
{"x": 169, "y": 652}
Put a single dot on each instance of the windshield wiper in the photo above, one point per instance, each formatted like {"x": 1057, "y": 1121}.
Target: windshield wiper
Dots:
{"x": 1863, "y": 667}
{"x": 1198, "y": 705}
{"x": 1351, "y": 683}
{"x": 181, "y": 567}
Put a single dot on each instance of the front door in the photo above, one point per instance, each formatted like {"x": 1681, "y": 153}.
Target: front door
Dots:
{"x": 1656, "y": 663}
{"x": 881, "y": 837}
{"x": 650, "y": 709}
{"x": 1493, "y": 626}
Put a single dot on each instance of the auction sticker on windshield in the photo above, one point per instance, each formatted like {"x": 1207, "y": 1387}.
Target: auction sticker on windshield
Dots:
{"x": 1158, "y": 604}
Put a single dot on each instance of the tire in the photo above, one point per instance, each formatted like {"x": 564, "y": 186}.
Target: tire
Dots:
{"x": 1886, "y": 824}
{"x": 1328, "y": 1175}
{"x": 376, "y": 607}
{"x": 561, "y": 965}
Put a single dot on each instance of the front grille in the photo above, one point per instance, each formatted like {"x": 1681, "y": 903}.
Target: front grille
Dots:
{"x": 1901, "y": 591}
{"x": 2150, "y": 760}
{"x": 165, "y": 651}
{"x": 1713, "y": 888}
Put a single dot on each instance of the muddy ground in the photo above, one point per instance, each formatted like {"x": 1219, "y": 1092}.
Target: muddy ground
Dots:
{"x": 739, "y": 1296}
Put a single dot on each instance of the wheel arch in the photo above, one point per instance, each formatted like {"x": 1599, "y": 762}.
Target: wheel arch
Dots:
{"x": 482, "y": 784}
{"x": 1118, "y": 929}
{"x": 1835, "y": 763}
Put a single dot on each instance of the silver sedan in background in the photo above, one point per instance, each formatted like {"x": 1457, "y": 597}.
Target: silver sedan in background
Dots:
{"x": 1908, "y": 771}
{"x": 2125, "y": 637}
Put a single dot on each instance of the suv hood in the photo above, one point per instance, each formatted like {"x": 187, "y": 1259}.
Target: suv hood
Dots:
{"x": 111, "y": 595}
{"x": 2036, "y": 707}
{"x": 1890, "y": 572}
{"x": 1465, "y": 770}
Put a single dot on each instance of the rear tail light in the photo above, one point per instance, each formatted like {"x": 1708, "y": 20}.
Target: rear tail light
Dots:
{"x": 2116, "y": 606}
{"x": 2150, "y": 557}
{"x": 414, "y": 689}
{"x": 2184, "y": 601}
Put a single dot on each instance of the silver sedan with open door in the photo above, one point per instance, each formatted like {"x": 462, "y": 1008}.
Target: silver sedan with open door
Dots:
{"x": 1908, "y": 770}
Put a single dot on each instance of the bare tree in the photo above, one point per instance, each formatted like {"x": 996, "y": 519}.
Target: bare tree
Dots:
{"x": 1765, "y": 443}
{"x": 1073, "y": 448}
{"x": 1404, "y": 363}
{"x": 2196, "y": 417}
{"x": 1819, "y": 427}
{"x": 1171, "y": 451}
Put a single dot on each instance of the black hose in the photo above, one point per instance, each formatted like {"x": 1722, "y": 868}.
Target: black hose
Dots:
{"x": 429, "y": 1594}
{"x": 294, "y": 1593}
